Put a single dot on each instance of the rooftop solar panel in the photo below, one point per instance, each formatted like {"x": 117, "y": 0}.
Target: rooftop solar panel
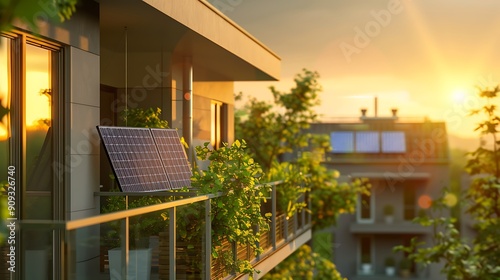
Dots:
{"x": 342, "y": 141}
{"x": 134, "y": 159}
{"x": 367, "y": 142}
{"x": 173, "y": 156}
{"x": 393, "y": 142}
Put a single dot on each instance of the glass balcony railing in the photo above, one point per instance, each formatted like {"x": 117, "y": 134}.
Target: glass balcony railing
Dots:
{"x": 145, "y": 242}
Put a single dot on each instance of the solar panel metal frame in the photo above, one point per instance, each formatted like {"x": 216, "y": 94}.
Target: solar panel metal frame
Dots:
{"x": 173, "y": 157}
{"x": 134, "y": 158}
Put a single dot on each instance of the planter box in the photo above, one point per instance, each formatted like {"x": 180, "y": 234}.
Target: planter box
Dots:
{"x": 366, "y": 268}
{"x": 390, "y": 271}
{"x": 139, "y": 264}
{"x": 389, "y": 219}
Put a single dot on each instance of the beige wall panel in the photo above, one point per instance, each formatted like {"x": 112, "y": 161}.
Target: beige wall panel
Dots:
{"x": 84, "y": 137}
{"x": 84, "y": 182}
{"x": 220, "y": 91}
{"x": 84, "y": 77}
{"x": 144, "y": 69}
{"x": 81, "y": 31}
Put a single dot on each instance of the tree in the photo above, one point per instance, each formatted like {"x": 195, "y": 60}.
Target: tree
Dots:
{"x": 271, "y": 131}
{"x": 29, "y": 11}
{"x": 279, "y": 130}
{"x": 479, "y": 256}
{"x": 298, "y": 266}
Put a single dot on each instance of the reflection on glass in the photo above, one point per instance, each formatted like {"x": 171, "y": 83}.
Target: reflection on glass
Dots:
{"x": 365, "y": 207}
{"x": 38, "y": 133}
{"x": 39, "y": 183}
{"x": 366, "y": 249}
{"x": 4, "y": 134}
{"x": 4, "y": 104}
{"x": 409, "y": 198}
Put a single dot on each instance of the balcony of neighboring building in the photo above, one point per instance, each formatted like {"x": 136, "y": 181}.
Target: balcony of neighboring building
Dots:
{"x": 391, "y": 209}
{"x": 375, "y": 259}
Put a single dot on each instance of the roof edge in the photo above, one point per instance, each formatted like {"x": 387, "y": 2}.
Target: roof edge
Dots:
{"x": 230, "y": 21}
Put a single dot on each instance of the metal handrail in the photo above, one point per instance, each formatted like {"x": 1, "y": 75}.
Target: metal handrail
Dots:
{"x": 71, "y": 227}
{"x": 118, "y": 215}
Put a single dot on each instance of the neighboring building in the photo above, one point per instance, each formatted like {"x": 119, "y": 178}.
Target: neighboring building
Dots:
{"x": 64, "y": 79}
{"x": 406, "y": 163}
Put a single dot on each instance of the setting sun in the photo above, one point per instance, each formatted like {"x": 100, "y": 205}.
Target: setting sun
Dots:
{"x": 458, "y": 95}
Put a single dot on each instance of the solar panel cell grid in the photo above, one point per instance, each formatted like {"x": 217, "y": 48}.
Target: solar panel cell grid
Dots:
{"x": 134, "y": 158}
{"x": 173, "y": 157}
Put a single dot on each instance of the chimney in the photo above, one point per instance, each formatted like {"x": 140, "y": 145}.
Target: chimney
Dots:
{"x": 394, "y": 112}
{"x": 363, "y": 112}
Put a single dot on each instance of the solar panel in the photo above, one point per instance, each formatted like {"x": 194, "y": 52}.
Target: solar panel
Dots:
{"x": 342, "y": 141}
{"x": 367, "y": 142}
{"x": 173, "y": 156}
{"x": 134, "y": 159}
{"x": 393, "y": 142}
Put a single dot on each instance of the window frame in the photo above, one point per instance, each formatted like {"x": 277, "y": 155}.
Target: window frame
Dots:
{"x": 359, "y": 217}
{"x": 359, "y": 254}
{"x": 19, "y": 41}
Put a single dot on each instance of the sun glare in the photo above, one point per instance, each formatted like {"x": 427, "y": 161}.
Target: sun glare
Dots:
{"x": 459, "y": 95}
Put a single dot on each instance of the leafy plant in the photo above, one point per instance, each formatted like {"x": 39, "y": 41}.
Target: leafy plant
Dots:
{"x": 293, "y": 186}
{"x": 390, "y": 262}
{"x": 28, "y": 11}
{"x": 405, "y": 264}
{"x": 139, "y": 117}
{"x": 236, "y": 216}
{"x": 276, "y": 132}
{"x": 388, "y": 210}
{"x": 299, "y": 264}
{"x": 422, "y": 213}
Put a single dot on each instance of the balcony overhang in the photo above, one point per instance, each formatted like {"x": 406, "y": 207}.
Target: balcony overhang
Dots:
{"x": 220, "y": 50}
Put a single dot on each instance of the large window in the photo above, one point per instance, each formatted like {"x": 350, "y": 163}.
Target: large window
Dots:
{"x": 28, "y": 143}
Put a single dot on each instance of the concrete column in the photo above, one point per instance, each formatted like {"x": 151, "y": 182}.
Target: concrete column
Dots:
{"x": 187, "y": 105}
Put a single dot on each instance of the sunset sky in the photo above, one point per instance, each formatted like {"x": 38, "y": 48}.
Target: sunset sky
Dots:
{"x": 423, "y": 57}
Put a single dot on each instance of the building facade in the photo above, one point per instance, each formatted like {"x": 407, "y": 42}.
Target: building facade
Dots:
{"x": 60, "y": 80}
{"x": 406, "y": 162}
